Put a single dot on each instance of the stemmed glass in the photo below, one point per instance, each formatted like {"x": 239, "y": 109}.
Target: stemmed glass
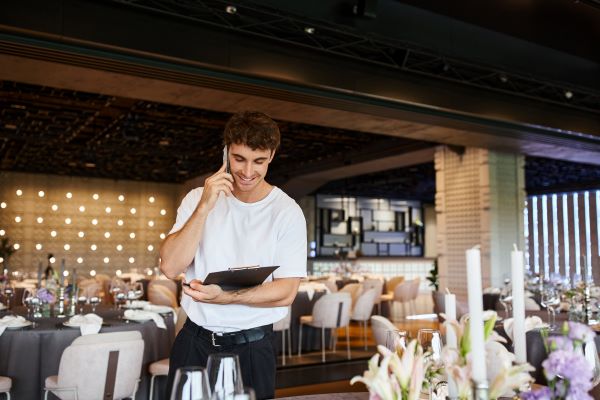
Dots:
{"x": 396, "y": 340}
{"x": 135, "y": 291}
{"x": 224, "y": 375}
{"x": 550, "y": 299}
{"x": 431, "y": 342}
{"x": 94, "y": 301}
{"x": 506, "y": 298}
{"x": 81, "y": 300}
{"x": 191, "y": 383}
{"x": 9, "y": 292}
{"x": 30, "y": 300}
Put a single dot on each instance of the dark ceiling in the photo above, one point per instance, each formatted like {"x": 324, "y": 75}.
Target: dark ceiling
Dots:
{"x": 56, "y": 131}
{"x": 49, "y": 130}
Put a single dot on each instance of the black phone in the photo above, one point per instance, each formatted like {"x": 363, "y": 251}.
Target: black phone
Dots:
{"x": 226, "y": 160}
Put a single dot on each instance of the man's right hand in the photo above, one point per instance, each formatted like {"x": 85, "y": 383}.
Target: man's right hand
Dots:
{"x": 221, "y": 181}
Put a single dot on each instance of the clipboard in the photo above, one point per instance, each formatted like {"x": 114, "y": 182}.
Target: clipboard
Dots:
{"x": 239, "y": 278}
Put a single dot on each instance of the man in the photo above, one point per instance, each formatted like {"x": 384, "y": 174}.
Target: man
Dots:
{"x": 237, "y": 219}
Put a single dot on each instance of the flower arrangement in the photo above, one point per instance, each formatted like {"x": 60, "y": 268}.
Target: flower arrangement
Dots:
{"x": 503, "y": 375}
{"x": 567, "y": 371}
{"x": 46, "y": 296}
{"x": 397, "y": 377}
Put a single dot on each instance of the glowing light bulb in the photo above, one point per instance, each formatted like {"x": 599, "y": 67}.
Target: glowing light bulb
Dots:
{"x": 121, "y": 197}
{"x": 68, "y": 195}
{"x": 150, "y": 247}
{"x": 67, "y": 247}
{"x": 68, "y": 221}
{"x": 151, "y": 199}
{"x": 150, "y": 224}
{"x": 16, "y": 246}
{"x": 40, "y": 220}
{"x": 19, "y": 192}
{"x": 81, "y": 234}
{"x": 132, "y": 235}
{"x": 120, "y": 222}
{"x": 107, "y": 234}
{"x": 81, "y": 208}
{"x": 38, "y": 246}
{"x": 95, "y": 196}
{"x": 54, "y": 207}
{"x": 133, "y": 210}
{"x": 131, "y": 260}
{"x": 79, "y": 260}
{"x": 163, "y": 212}
{"x": 93, "y": 247}
{"x": 18, "y": 219}
{"x": 53, "y": 233}
{"x": 108, "y": 210}
{"x": 106, "y": 260}
{"x": 94, "y": 221}
{"x": 41, "y": 193}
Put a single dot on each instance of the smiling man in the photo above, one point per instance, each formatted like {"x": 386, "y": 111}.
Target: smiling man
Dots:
{"x": 237, "y": 219}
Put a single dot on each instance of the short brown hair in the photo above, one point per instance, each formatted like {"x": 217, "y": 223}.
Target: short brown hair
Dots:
{"x": 253, "y": 129}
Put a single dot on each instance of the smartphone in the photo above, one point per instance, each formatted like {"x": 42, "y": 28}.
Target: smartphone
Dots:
{"x": 226, "y": 160}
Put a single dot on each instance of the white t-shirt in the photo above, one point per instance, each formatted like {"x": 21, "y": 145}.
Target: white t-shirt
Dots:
{"x": 271, "y": 231}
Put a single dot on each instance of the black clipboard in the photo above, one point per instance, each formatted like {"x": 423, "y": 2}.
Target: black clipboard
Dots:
{"x": 239, "y": 278}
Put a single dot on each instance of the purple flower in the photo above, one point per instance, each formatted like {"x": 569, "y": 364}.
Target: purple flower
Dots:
{"x": 560, "y": 343}
{"x": 569, "y": 366}
{"x": 580, "y": 332}
{"x": 45, "y": 296}
{"x": 540, "y": 394}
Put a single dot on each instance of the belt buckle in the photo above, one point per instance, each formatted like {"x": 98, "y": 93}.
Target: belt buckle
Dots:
{"x": 214, "y": 342}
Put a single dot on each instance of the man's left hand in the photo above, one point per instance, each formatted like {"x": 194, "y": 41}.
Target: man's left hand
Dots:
{"x": 205, "y": 293}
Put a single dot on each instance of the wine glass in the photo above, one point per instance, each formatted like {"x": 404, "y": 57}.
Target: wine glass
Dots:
{"x": 94, "y": 301}
{"x": 506, "y": 298}
{"x": 190, "y": 383}
{"x": 224, "y": 375}
{"x": 396, "y": 340}
{"x": 9, "y": 292}
{"x": 81, "y": 300}
{"x": 550, "y": 299}
{"x": 591, "y": 356}
{"x": 28, "y": 299}
{"x": 431, "y": 341}
{"x": 135, "y": 291}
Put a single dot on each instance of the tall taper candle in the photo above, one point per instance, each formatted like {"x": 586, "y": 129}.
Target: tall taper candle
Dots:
{"x": 451, "y": 341}
{"x": 476, "y": 314}
{"x": 39, "y": 274}
{"x": 61, "y": 278}
{"x": 518, "y": 303}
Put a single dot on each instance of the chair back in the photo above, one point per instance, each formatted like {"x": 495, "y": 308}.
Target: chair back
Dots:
{"x": 355, "y": 290}
{"x": 380, "y": 326}
{"x": 403, "y": 292}
{"x": 284, "y": 323}
{"x": 415, "y": 286}
{"x": 332, "y": 310}
{"x": 364, "y": 305}
{"x": 373, "y": 284}
{"x": 331, "y": 285}
{"x": 89, "y": 290}
{"x": 393, "y": 282}
{"x": 161, "y": 295}
{"x": 167, "y": 283}
{"x": 85, "y": 365}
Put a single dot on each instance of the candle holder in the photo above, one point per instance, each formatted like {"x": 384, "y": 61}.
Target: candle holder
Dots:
{"x": 481, "y": 390}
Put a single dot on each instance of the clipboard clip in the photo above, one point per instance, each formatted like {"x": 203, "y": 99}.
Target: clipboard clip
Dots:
{"x": 240, "y": 268}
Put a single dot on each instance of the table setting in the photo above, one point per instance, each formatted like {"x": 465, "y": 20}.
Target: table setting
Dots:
{"x": 522, "y": 357}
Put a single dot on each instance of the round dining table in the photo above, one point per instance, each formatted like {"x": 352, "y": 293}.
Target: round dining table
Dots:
{"x": 29, "y": 355}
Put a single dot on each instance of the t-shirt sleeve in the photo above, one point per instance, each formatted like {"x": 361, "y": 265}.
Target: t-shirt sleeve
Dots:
{"x": 186, "y": 209}
{"x": 290, "y": 254}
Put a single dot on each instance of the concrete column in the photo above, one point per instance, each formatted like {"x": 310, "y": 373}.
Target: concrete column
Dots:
{"x": 480, "y": 196}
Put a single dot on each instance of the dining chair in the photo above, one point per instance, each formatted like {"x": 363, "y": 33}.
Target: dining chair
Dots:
{"x": 380, "y": 327}
{"x": 376, "y": 284}
{"x": 363, "y": 309}
{"x": 355, "y": 290}
{"x": 331, "y": 311}
{"x": 104, "y": 365}
{"x": 5, "y": 386}
{"x": 388, "y": 296}
{"x": 161, "y": 367}
{"x": 414, "y": 294}
{"x": 161, "y": 295}
{"x": 402, "y": 294}
{"x": 283, "y": 326}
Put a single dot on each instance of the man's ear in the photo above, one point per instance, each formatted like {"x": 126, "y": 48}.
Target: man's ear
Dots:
{"x": 272, "y": 155}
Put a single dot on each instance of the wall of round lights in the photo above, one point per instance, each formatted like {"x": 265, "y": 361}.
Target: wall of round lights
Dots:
{"x": 96, "y": 224}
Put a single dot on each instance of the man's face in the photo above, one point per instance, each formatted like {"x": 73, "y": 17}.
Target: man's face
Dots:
{"x": 248, "y": 167}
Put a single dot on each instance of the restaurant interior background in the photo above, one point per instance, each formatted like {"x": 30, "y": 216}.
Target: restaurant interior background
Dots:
{"x": 411, "y": 130}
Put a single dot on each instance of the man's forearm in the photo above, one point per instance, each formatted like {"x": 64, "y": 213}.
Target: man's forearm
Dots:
{"x": 179, "y": 248}
{"x": 278, "y": 293}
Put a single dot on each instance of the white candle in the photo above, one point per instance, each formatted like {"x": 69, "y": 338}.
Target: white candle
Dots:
{"x": 518, "y": 303}
{"x": 451, "y": 342}
{"x": 476, "y": 315}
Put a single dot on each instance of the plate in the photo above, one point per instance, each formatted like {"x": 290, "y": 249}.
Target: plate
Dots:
{"x": 139, "y": 318}
{"x": 139, "y": 304}
{"x": 21, "y": 325}
{"x": 158, "y": 309}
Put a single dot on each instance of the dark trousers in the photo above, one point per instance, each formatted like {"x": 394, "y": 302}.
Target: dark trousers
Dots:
{"x": 257, "y": 359}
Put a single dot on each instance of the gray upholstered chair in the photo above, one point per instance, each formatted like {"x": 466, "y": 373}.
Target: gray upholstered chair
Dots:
{"x": 105, "y": 365}
{"x": 364, "y": 308}
{"x": 332, "y": 311}
{"x": 380, "y": 327}
{"x": 283, "y": 326}
{"x": 5, "y": 386}
{"x": 161, "y": 367}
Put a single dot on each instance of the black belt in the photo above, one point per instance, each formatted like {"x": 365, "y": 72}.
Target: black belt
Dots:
{"x": 229, "y": 338}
